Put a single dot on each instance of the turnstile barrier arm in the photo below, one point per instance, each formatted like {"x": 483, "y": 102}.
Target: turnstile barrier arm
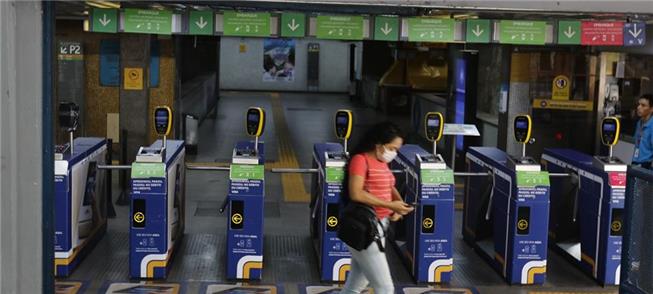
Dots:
{"x": 114, "y": 166}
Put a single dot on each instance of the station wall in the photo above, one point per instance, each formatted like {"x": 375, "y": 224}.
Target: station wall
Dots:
{"x": 241, "y": 65}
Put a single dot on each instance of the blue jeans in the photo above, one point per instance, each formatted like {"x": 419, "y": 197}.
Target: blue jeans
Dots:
{"x": 370, "y": 266}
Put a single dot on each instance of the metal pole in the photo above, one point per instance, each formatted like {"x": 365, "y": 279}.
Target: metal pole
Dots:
{"x": 470, "y": 174}
{"x": 114, "y": 167}
{"x": 559, "y": 175}
{"x": 111, "y": 211}
{"x": 523, "y": 150}
{"x": 435, "y": 147}
{"x": 610, "y": 152}
{"x": 72, "y": 145}
{"x": 345, "y": 146}
{"x": 295, "y": 170}
{"x": 207, "y": 168}
{"x": 164, "y": 141}
{"x": 256, "y": 145}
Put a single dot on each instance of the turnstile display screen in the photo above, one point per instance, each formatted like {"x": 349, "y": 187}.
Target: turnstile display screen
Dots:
{"x": 343, "y": 124}
{"x": 138, "y": 217}
{"x": 610, "y": 131}
{"x": 428, "y": 219}
{"x": 162, "y": 120}
{"x": 522, "y": 128}
{"x": 434, "y": 126}
{"x": 523, "y": 220}
{"x": 237, "y": 214}
{"x": 255, "y": 121}
{"x": 616, "y": 227}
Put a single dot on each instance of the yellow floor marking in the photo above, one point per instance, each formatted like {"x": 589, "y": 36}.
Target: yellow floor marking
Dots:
{"x": 292, "y": 184}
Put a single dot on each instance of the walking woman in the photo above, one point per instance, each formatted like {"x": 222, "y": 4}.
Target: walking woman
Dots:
{"x": 371, "y": 182}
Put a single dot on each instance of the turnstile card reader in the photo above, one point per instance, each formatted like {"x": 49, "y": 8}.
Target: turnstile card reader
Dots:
{"x": 424, "y": 238}
{"x": 255, "y": 123}
{"x": 162, "y": 126}
{"x": 343, "y": 124}
{"x": 80, "y": 203}
{"x": 334, "y": 259}
{"x": 587, "y": 209}
{"x": 245, "y": 208}
{"x": 505, "y": 217}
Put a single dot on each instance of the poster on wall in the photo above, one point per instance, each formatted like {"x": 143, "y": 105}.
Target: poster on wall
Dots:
{"x": 278, "y": 60}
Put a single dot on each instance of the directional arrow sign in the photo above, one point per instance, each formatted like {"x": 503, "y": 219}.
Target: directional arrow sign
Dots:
{"x": 522, "y": 32}
{"x": 148, "y": 21}
{"x": 635, "y": 34}
{"x": 424, "y": 29}
{"x": 569, "y": 32}
{"x": 247, "y": 24}
{"x": 293, "y": 25}
{"x": 386, "y": 28}
{"x": 478, "y": 31}
{"x": 105, "y": 20}
{"x": 342, "y": 27}
{"x": 200, "y": 22}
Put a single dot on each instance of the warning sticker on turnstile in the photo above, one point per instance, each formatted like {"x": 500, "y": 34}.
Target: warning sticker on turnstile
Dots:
{"x": 532, "y": 178}
{"x": 436, "y": 176}
{"x": 246, "y": 172}
{"x": 335, "y": 174}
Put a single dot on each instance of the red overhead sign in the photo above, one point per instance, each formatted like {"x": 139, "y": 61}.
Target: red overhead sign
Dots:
{"x": 602, "y": 33}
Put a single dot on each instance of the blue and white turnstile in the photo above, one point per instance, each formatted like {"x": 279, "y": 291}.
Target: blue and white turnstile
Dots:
{"x": 506, "y": 215}
{"x": 245, "y": 201}
{"x": 587, "y": 208}
{"x": 157, "y": 208}
{"x": 334, "y": 259}
{"x": 80, "y": 202}
{"x": 424, "y": 238}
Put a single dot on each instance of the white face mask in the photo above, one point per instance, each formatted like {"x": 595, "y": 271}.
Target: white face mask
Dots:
{"x": 388, "y": 156}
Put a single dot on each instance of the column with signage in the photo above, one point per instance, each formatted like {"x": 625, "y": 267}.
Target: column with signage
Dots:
{"x": 70, "y": 78}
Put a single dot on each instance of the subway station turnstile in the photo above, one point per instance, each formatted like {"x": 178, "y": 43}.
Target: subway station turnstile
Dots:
{"x": 334, "y": 259}
{"x": 245, "y": 202}
{"x": 80, "y": 202}
{"x": 424, "y": 238}
{"x": 329, "y": 159}
{"x": 505, "y": 216}
{"x": 157, "y": 202}
{"x": 587, "y": 209}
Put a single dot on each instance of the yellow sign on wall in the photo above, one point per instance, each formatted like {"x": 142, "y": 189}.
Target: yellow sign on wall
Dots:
{"x": 560, "y": 88}
{"x": 133, "y": 78}
{"x": 578, "y": 105}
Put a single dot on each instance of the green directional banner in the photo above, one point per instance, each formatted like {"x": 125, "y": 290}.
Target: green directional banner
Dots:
{"x": 293, "y": 25}
{"x": 104, "y": 20}
{"x": 148, "y": 21}
{"x": 569, "y": 32}
{"x": 522, "y": 32}
{"x": 424, "y": 29}
{"x": 200, "y": 22}
{"x": 144, "y": 170}
{"x": 246, "y": 24}
{"x": 478, "y": 31}
{"x": 335, "y": 175}
{"x": 532, "y": 178}
{"x": 246, "y": 172}
{"x": 436, "y": 176}
{"x": 342, "y": 27}
{"x": 386, "y": 28}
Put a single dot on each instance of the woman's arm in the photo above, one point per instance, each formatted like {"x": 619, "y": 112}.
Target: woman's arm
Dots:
{"x": 358, "y": 194}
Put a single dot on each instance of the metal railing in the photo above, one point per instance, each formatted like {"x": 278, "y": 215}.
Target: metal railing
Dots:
{"x": 637, "y": 243}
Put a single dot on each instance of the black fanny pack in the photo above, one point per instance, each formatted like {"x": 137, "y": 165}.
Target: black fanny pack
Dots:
{"x": 358, "y": 226}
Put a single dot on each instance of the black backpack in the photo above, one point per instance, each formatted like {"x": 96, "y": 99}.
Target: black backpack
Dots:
{"x": 358, "y": 221}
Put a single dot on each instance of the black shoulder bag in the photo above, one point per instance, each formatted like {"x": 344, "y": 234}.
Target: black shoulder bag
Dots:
{"x": 358, "y": 223}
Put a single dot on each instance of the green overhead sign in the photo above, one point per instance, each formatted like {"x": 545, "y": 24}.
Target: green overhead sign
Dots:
{"x": 522, "y": 32}
{"x": 105, "y": 20}
{"x": 386, "y": 28}
{"x": 424, "y": 29}
{"x": 293, "y": 25}
{"x": 569, "y": 32}
{"x": 200, "y": 22}
{"x": 342, "y": 27}
{"x": 478, "y": 31}
{"x": 246, "y": 24}
{"x": 147, "y": 21}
